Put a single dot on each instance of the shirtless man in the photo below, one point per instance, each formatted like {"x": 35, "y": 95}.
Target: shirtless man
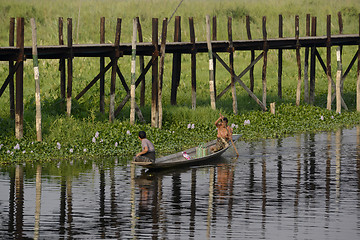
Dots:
{"x": 224, "y": 134}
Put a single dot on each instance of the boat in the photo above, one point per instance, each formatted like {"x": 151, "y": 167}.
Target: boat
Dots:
{"x": 177, "y": 159}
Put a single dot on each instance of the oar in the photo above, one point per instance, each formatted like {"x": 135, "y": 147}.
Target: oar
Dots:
{"x": 237, "y": 153}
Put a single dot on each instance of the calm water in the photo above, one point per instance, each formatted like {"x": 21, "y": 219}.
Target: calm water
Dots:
{"x": 302, "y": 187}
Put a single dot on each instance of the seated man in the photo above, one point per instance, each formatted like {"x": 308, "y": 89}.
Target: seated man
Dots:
{"x": 224, "y": 134}
{"x": 148, "y": 150}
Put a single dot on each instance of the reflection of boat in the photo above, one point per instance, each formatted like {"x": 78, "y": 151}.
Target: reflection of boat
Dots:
{"x": 177, "y": 159}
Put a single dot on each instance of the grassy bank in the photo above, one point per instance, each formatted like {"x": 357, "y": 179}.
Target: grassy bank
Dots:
{"x": 88, "y": 134}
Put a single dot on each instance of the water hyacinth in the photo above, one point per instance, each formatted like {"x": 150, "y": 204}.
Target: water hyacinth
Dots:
{"x": 85, "y": 150}
{"x": 192, "y": 126}
{"x": 234, "y": 125}
{"x": 128, "y": 132}
{"x": 189, "y": 126}
{"x": 17, "y": 147}
{"x": 246, "y": 122}
{"x": 116, "y": 144}
{"x": 322, "y": 118}
{"x": 94, "y": 140}
{"x": 58, "y": 145}
{"x": 71, "y": 150}
{"x": 96, "y": 134}
{"x": 1, "y": 145}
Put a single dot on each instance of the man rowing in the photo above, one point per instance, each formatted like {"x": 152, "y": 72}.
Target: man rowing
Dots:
{"x": 224, "y": 134}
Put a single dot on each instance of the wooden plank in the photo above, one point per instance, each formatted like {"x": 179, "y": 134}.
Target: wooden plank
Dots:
{"x": 231, "y": 62}
{"x": 264, "y": 82}
{"x": 19, "y": 106}
{"x": 251, "y": 73}
{"x": 193, "y": 64}
{"x": 69, "y": 66}
{"x": 133, "y": 76}
{"x": 161, "y": 69}
{"x": 62, "y": 64}
{"x": 114, "y": 61}
{"x": 211, "y": 63}
{"x": 298, "y": 88}
{"x": 280, "y": 57}
{"x": 328, "y": 61}
{"x": 102, "y": 66}
{"x": 176, "y": 66}
{"x": 37, "y": 81}
{"x": 141, "y": 65}
{"x": 155, "y": 72}
{"x": 11, "y": 66}
{"x": 306, "y": 63}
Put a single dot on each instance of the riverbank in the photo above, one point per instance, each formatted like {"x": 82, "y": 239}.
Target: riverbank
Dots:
{"x": 73, "y": 138}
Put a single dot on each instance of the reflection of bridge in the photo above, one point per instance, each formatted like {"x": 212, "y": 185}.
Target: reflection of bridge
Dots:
{"x": 19, "y": 53}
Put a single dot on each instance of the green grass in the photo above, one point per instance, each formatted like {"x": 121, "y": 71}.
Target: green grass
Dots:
{"x": 77, "y": 131}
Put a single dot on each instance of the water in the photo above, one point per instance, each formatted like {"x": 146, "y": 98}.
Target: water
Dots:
{"x": 301, "y": 187}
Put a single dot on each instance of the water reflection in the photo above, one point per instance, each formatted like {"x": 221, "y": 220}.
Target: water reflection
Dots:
{"x": 307, "y": 186}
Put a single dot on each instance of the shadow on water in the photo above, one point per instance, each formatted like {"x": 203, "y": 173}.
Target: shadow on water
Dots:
{"x": 301, "y": 187}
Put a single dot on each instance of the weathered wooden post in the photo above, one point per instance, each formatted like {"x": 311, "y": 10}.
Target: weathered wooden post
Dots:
{"x": 272, "y": 108}
{"x": 69, "y": 66}
{"x": 211, "y": 63}
{"x": 102, "y": 66}
{"x": 265, "y": 60}
{"x": 298, "y": 88}
{"x": 214, "y": 38}
{"x": 231, "y": 61}
{"x": 176, "y": 67}
{"x": 141, "y": 65}
{"x": 19, "y": 107}
{"x": 338, "y": 80}
{"x": 306, "y": 62}
{"x": 133, "y": 77}
{"x": 251, "y": 72}
{"x": 312, "y": 63}
{"x": 328, "y": 60}
{"x": 193, "y": 63}
{"x": 358, "y": 77}
{"x": 155, "y": 72}
{"x": 62, "y": 64}
{"x": 11, "y": 66}
{"x": 280, "y": 58}
{"x": 37, "y": 81}
{"x": 114, "y": 61}
{"x": 161, "y": 69}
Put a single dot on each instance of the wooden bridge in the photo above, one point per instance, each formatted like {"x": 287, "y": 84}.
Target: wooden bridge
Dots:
{"x": 16, "y": 55}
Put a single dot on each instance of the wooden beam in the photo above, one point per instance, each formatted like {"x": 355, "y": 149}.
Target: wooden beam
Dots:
{"x": 141, "y": 65}
{"x": 231, "y": 62}
{"x": 298, "y": 88}
{"x": 176, "y": 67}
{"x": 155, "y": 72}
{"x": 280, "y": 57}
{"x": 211, "y": 63}
{"x": 264, "y": 81}
{"x": 193, "y": 64}
{"x": 11, "y": 66}
{"x": 306, "y": 62}
{"x": 161, "y": 69}
{"x": 328, "y": 61}
{"x": 102, "y": 66}
{"x": 69, "y": 66}
{"x": 133, "y": 76}
{"x": 251, "y": 73}
{"x": 19, "y": 107}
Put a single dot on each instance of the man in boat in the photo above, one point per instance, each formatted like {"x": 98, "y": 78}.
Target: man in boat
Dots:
{"x": 148, "y": 150}
{"x": 224, "y": 134}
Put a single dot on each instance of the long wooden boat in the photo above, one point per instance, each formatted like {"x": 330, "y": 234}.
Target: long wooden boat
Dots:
{"x": 177, "y": 159}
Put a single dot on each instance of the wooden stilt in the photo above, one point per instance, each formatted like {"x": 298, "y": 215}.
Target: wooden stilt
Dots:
{"x": 358, "y": 76}
{"x": 306, "y": 62}
{"x": 155, "y": 72}
{"x": 102, "y": 66}
{"x": 251, "y": 73}
{"x": 176, "y": 67}
{"x": 298, "y": 88}
{"x": 338, "y": 80}
{"x": 193, "y": 64}
{"x": 133, "y": 68}
{"x": 114, "y": 60}
{"x": 211, "y": 63}
{"x": 69, "y": 66}
{"x": 231, "y": 63}
{"x": 62, "y": 65}
{"x": 19, "y": 107}
{"x": 214, "y": 38}
{"x": 265, "y": 60}
{"x": 141, "y": 65}
{"x": 11, "y": 65}
{"x": 161, "y": 69}
{"x": 328, "y": 60}
{"x": 280, "y": 58}
{"x": 37, "y": 81}
{"x": 312, "y": 63}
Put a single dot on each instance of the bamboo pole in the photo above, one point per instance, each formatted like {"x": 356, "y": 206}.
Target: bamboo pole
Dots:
{"x": 193, "y": 63}
{"x": 298, "y": 88}
{"x": 102, "y": 66}
{"x": 328, "y": 60}
{"x": 11, "y": 66}
{"x": 19, "y": 107}
{"x": 69, "y": 66}
{"x": 155, "y": 72}
{"x": 211, "y": 63}
{"x": 231, "y": 61}
{"x": 280, "y": 58}
{"x": 338, "y": 80}
{"x": 133, "y": 77}
{"x": 37, "y": 81}
{"x": 161, "y": 70}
